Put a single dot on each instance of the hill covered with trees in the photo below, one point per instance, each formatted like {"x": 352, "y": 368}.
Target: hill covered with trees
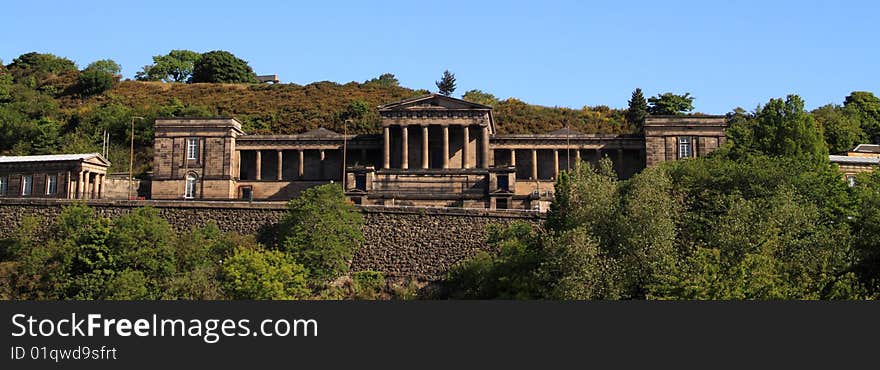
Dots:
{"x": 48, "y": 105}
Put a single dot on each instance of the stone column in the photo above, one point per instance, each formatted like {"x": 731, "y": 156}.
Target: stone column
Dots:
{"x": 445, "y": 146}
{"x": 259, "y": 175}
{"x": 577, "y": 155}
{"x": 555, "y": 163}
{"x": 67, "y": 185}
{"x": 425, "y": 147}
{"x": 301, "y": 167}
{"x": 322, "y": 163}
{"x": 513, "y": 158}
{"x": 465, "y": 139}
{"x": 79, "y": 185}
{"x": 237, "y": 164}
{"x": 87, "y": 192}
{"x": 534, "y": 164}
{"x": 386, "y": 149}
{"x": 485, "y": 144}
{"x": 404, "y": 151}
{"x": 100, "y": 186}
{"x": 280, "y": 166}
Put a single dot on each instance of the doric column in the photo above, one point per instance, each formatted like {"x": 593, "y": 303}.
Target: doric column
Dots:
{"x": 465, "y": 140}
{"x": 445, "y": 146}
{"x": 100, "y": 186}
{"x": 79, "y": 185}
{"x": 301, "y": 167}
{"x": 555, "y": 163}
{"x": 513, "y": 158}
{"x": 280, "y": 161}
{"x": 424, "y": 146}
{"x": 259, "y": 175}
{"x": 237, "y": 165}
{"x": 534, "y": 164}
{"x": 87, "y": 192}
{"x": 485, "y": 147}
{"x": 67, "y": 187}
{"x": 386, "y": 149}
{"x": 323, "y": 156}
{"x": 577, "y": 155}
{"x": 404, "y": 150}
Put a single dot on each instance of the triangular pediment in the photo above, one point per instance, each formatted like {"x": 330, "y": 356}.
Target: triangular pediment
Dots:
{"x": 320, "y": 132}
{"x": 97, "y": 159}
{"x": 433, "y": 102}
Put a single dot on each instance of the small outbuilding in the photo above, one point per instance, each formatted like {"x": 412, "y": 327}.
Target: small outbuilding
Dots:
{"x": 60, "y": 176}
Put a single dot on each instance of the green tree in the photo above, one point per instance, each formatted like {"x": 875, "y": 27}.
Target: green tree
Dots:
{"x": 446, "y": 85}
{"x": 841, "y": 129}
{"x": 263, "y": 274}
{"x": 105, "y": 65}
{"x": 783, "y": 128}
{"x": 220, "y": 66}
{"x": 98, "y": 77}
{"x": 385, "y": 80}
{"x": 176, "y": 66}
{"x": 322, "y": 230}
{"x": 867, "y": 109}
{"x": 480, "y": 97}
{"x": 32, "y": 68}
{"x": 638, "y": 109}
{"x": 670, "y": 104}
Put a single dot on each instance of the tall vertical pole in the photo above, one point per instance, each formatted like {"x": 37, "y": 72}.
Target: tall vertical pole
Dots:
{"x": 131, "y": 157}
{"x": 344, "y": 152}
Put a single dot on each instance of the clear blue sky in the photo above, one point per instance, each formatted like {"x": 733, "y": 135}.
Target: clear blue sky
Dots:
{"x": 555, "y": 53}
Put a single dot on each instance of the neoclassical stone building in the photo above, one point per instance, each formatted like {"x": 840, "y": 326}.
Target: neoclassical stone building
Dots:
{"x": 62, "y": 176}
{"x": 433, "y": 151}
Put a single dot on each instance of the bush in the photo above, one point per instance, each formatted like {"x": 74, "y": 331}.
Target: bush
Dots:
{"x": 322, "y": 230}
{"x": 263, "y": 274}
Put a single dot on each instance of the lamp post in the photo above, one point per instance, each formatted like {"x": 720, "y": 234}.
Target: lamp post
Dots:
{"x": 131, "y": 157}
{"x": 344, "y": 153}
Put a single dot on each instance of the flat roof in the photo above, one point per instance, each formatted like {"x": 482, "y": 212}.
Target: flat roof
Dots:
{"x": 50, "y": 158}
{"x": 854, "y": 160}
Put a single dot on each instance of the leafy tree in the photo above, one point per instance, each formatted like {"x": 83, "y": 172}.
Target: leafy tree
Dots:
{"x": 446, "y": 85}
{"x": 670, "y": 104}
{"x": 385, "y": 80}
{"x": 105, "y": 65}
{"x": 98, "y": 77}
{"x": 263, "y": 274}
{"x": 322, "y": 231}
{"x": 220, "y": 66}
{"x": 638, "y": 109}
{"x": 480, "y": 97}
{"x": 32, "y": 68}
{"x": 176, "y": 66}
{"x": 841, "y": 128}
{"x": 782, "y": 128}
{"x": 867, "y": 109}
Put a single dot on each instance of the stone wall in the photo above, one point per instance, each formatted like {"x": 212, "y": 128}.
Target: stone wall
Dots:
{"x": 403, "y": 242}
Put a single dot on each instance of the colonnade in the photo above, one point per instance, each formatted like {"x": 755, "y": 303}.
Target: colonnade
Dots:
{"x": 86, "y": 188}
{"x": 425, "y": 146}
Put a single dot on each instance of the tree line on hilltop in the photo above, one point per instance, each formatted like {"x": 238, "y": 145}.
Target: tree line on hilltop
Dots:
{"x": 48, "y": 105}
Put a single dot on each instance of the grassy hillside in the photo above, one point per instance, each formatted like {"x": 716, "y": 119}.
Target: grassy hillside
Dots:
{"x": 46, "y": 111}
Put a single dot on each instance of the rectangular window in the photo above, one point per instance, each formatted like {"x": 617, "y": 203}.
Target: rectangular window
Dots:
{"x": 51, "y": 184}
{"x": 851, "y": 180}
{"x": 685, "y": 147}
{"x": 27, "y": 184}
{"x": 192, "y": 148}
{"x": 4, "y": 183}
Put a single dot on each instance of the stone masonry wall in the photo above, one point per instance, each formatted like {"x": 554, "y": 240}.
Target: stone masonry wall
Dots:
{"x": 404, "y": 242}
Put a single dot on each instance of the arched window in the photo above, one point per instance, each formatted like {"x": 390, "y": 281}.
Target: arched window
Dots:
{"x": 190, "y": 191}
